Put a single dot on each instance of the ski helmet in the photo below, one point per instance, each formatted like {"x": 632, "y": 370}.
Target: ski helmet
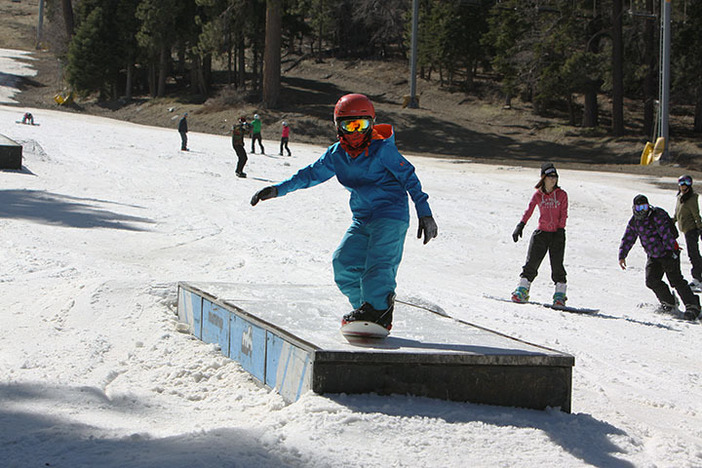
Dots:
{"x": 353, "y": 106}
{"x": 255, "y": 116}
{"x": 641, "y": 207}
{"x": 685, "y": 180}
{"x": 356, "y": 137}
{"x": 242, "y": 119}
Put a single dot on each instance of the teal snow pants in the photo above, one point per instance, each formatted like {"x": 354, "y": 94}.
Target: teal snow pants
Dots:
{"x": 366, "y": 261}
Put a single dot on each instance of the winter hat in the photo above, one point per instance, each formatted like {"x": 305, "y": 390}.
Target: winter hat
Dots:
{"x": 242, "y": 119}
{"x": 548, "y": 169}
{"x": 644, "y": 211}
{"x": 640, "y": 200}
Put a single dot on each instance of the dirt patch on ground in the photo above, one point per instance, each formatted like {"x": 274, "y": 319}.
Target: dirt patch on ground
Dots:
{"x": 448, "y": 123}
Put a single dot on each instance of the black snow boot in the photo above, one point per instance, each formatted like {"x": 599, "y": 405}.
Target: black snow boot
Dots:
{"x": 367, "y": 313}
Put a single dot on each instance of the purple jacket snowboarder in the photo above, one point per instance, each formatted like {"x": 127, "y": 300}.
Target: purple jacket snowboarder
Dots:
{"x": 653, "y": 226}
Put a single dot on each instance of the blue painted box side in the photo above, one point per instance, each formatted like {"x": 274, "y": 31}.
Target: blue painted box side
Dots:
{"x": 190, "y": 311}
{"x": 288, "y": 368}
{"x": 248, "y": 346}
{"x": 215, "y": 325}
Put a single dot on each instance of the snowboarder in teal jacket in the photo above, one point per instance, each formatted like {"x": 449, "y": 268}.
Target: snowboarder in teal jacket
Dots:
{"x": 366, "y": 161}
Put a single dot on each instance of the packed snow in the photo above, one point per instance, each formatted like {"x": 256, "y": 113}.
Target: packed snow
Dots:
{"x": 106, "y": 217}
{"x": 15, "y": 65}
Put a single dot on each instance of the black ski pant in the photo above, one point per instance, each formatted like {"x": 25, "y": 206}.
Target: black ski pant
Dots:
{"x": 257, "y": 137}
{"x": 693, "y": 252}
{"x": 241, "y": 154}
{"x": 183, "y": 141}
{"x": 541, "y": 243}
{"x": 284, "y": 143}
{"x": 670, "y": 265}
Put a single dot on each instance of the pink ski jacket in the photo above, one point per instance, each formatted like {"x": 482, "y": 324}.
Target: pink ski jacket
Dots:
{"x": 553, "y": 209}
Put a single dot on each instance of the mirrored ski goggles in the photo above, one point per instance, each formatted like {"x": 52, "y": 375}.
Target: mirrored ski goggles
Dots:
{"x": 640, "y": 208}
{"x": 356, "y": 125}
{"x": 684, "y": 181}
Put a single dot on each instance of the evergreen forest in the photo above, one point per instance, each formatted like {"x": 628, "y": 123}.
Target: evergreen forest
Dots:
{"x": 549, "y": 53}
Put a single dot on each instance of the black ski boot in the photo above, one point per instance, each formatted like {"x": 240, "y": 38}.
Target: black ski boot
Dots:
{"x": 367, "y": 313}
{"x": 692, "y": 312}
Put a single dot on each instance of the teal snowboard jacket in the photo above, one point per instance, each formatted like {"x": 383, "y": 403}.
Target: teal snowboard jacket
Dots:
{"x": 379, "y": 179}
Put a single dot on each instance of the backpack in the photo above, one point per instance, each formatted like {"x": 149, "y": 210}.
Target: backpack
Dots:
{"x": 670, "y": 221}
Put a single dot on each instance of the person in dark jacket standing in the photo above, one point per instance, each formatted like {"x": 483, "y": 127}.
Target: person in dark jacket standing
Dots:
{"x": 183, "y": 130}
{"x": 687, "y": 215}
{"x": 653, "y": 226}
{"x": 238, "y": 132}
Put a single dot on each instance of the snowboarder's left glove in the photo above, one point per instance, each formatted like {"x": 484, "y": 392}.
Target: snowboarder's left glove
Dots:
{"x": 518, "y": 231}
{"x": 428, "y": 226}
{"x": 264, "y": 194}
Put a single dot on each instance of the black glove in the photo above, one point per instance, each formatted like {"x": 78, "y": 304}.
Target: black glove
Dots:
{"x": 428, "y": 226}
{"x": 518, "y": 231}
{"x": 264, "y": 194}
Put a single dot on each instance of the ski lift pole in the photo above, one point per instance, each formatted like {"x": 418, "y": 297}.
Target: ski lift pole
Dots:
{"x": 665, "y": 78}
{"x": 40, "y": 24}
{"x": 413, "y": 104}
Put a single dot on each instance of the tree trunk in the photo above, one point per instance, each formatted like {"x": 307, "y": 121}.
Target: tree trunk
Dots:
{"x": 162, "y": 71}
{"x": 698, "y": 110}
{"x": 68, "y": 17}
{"x": 241, "y": 57}
{"x": 152, "y": 78}
{"x": 590, "y": 110}
{"x": 206, "y": 74}
{"x": 650, "y": 80}
{"x": 617, "y": 70}
{"x": 271, "y": 54}
{"x": 130, "y": 80}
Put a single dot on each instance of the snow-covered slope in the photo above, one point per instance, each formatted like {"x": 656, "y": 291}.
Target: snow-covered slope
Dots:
{"x": 108, "y": 216}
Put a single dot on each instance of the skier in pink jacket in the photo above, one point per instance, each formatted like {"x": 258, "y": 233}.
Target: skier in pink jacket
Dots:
{"x": 549, "y": 237}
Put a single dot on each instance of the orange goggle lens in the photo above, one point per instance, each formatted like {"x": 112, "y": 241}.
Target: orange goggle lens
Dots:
{"x": 356, "y": 125}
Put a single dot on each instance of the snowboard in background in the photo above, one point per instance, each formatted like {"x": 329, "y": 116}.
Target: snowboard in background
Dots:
{"x": 25, "y": 123}
{"x": 362, "y": 330}
{"x": 572, "y": 310}
{"x": 674, "y": 312}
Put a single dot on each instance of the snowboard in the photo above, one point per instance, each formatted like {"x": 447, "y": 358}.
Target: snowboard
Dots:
{"x": 572, "y": 310}
{"x": 23, "y": 123}
{"x": 362, "y": 330}
{"x": 675, "y": 313}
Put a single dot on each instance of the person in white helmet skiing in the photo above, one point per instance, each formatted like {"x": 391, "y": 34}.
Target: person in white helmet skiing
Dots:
{"x": 284, "y": 138}
{"x": 256, "y": 134}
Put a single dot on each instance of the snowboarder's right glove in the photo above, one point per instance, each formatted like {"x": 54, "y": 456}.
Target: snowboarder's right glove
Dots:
{"x": 428, "y": 226}
{"x": 518, "y": 231}
{"x": 264, "y": 194}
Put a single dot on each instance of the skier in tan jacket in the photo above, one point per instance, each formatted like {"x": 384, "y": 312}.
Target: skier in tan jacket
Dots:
{"x": 687, "y": 215}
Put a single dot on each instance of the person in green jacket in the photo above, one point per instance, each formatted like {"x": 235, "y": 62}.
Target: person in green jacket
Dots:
{"x": 687, "y": 215}
{"x": 256, "y": 134}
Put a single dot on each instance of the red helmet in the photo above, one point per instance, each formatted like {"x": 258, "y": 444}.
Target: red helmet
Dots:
{"x": 353, "y": 105}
